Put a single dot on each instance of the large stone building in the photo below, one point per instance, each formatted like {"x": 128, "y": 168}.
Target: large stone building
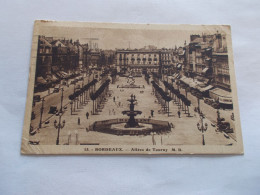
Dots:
{"x": 44, "y": 57}
{"x": 138, "y": 60}
{"x": 206, "y": 66}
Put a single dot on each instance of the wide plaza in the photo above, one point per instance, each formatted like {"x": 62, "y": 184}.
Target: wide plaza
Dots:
{"x": 76, "y": 130}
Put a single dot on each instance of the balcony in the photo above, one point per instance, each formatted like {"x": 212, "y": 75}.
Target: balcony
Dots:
{"x": 223, "y": 71}
{"x": 223, "y": 85}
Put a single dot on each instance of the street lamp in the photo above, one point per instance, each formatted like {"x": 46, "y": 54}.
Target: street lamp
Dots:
{"x": 61, "y": 100}
{"x": 59, "y": 126}
{"x": 153, "y": 140}
{"x": 201, "y": 127}
{"x": 71, "y": 103}
{"x": 42, "y": 108}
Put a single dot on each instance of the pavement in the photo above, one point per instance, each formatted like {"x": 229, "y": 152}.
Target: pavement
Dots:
{"x": 184, "y": 132}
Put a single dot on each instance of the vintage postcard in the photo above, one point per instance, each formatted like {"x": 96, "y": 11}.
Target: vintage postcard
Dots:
{"x": 100, "y": 88}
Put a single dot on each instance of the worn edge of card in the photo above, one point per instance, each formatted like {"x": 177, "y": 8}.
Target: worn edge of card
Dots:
{"x": 116, "y": 149}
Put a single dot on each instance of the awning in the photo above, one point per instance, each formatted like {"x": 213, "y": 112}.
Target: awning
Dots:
{"x": 48, "y": 78}
{"x": 59, "y": 75}
{"x": 41, "y": 80}
{"x": 203, "y": 89}
{"x": 54, "y": 78}
{"x": 221, "y": 95}
{"x": 205, "y": 70}
{"x": 193, "y": 84}
{"x": 176, "y": 75}
{"x": 185, "y": 80}
{"x": 64, "y": 74}
{"x": 55, "y": 68}
{"x": 196, "y": 84}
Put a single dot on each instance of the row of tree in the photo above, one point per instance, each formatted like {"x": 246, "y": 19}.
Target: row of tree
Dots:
{"x": 177, "y": 93}
{"x": 99, "y": 96}
{"x": 101, "y": 89}
{"x": 162, "y": 93}
{"x": 82, "y": 90}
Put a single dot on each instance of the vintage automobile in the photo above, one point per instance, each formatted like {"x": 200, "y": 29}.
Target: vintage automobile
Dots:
{"x": 37, "y": 98}
{"x": 215, "y": 105}
{"x": 225, "y": 126}
{"x": 53, "y": 110}
{"x": 33, "y": 115}
{"x": 56, "y": 90}
{"x": 208, "y": 101}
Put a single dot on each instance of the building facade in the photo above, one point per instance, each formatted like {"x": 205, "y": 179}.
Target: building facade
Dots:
{"x": 137, "y": 61}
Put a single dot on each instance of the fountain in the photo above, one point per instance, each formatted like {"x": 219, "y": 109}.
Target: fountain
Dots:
{"x": 131, "y": 113}
{"x": 131, "y": 83}
{"x": 131, "y": 125}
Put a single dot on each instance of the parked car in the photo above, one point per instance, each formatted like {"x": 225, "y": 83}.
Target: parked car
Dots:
{"x": 53, "y": 110}
{"x": 37, "y": 98}
{"x": 215, "y": 105}
{"x": 208, "y": 101}
{"x": 193, "y": 92}
{"x": 33, "y": 115}
{"x": 56, "y": 90}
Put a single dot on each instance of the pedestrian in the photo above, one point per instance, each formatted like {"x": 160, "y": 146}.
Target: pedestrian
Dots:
{"x": 78, "y": 121}
{"x": 87, "y": 115}
{"x": 179, "y": 114}
{"x": 152, "y": 113}
{"x": 114, "y": 98}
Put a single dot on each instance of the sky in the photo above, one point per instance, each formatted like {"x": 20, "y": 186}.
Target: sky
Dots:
{"x": 111, "y": 38}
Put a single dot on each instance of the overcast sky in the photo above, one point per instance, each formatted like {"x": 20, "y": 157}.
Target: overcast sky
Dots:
{"x": 122, "y": 38}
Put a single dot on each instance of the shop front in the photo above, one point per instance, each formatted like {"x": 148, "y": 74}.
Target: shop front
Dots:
{"x": 224, "y": 98}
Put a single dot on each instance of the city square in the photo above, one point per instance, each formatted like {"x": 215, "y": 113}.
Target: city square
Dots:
{"x": 84, "y": 95}
{"x": 184, "y": 130}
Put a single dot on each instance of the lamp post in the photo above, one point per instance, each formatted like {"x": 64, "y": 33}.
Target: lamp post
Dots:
{"x": 61, "y": 100}
{"x": 59, "y": 126}
{"x": 198, "y": 98}
{"x": 71, "y": 103}
{"x": 202, "y": 127}
{"x": 69, "y": 137}
{"x": 153, "y": 140}
{"x": 74, "y": 98}
{"x": 42, "y": 108}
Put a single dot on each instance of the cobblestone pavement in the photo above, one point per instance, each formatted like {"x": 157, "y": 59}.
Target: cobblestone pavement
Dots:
{"x": 184, "y": 132}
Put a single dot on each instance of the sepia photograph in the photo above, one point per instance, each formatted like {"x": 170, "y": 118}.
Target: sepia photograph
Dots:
{"x": 107, "y": 88}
